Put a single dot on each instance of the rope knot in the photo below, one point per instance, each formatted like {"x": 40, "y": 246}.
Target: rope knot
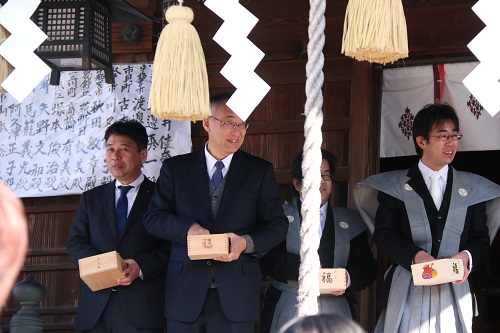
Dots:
{"x": 179, "y": 13}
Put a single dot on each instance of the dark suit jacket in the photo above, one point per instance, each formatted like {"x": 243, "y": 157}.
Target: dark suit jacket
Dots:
{"x": 392, "y": 229}
{"x": 249, "y": 205}
{"x": 94, "y": 231}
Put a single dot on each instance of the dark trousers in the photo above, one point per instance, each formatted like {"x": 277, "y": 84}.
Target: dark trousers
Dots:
{"x": 271, "y": 298}
{"x": 211, "y": 320}
{"x": 114, "y": 320}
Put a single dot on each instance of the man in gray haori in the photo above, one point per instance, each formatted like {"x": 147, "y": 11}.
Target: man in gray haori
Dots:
{"x": 416, "y": 219}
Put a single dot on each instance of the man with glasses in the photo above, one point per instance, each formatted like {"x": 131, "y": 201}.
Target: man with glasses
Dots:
{"x": 219, "y": 189}
{"x": 343, "y": 244}
{"x": 430, "y": 211}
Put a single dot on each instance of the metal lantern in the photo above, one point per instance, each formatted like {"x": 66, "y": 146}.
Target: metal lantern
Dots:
{"x": 78, "y": 36}
{"x": 79, "y": 33}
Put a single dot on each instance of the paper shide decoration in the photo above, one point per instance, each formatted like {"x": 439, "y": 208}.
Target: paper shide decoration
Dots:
{"x": 18, "y": 48}
{"x": 483, "y": 81}
{"x": 245, "y": 56}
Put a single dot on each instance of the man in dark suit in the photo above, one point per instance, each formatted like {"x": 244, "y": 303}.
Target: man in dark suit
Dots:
{"x": 136, "y": 304}
{"x": 197, "y": 195}
{"x": 343, "y": 244}
{"x": 428, "y": 212}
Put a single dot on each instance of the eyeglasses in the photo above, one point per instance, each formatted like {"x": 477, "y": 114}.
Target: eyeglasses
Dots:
{"x": 327, "y": 176}
{"x": 240, "y": 126}
{"x": 446, "y": 137}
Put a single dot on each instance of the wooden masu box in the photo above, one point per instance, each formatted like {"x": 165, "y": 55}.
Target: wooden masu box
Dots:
{"x": 437, "y": 272}
{"x": 101, "y": 271}
{"x": 207, "y": 246}
{"x": 332, "y": 279}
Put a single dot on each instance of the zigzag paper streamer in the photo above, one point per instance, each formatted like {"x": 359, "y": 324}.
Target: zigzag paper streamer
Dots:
{"x": 18, "y": 48}
{"x": 245, "y": 56}
{"x": 483, "y": 81}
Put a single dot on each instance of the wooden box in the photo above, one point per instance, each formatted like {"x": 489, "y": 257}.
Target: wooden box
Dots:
{"x": 101, "y": 271}
{"x": 437, "y": 272}
{"x": 207, "y": 246}
{"x": 332, "y": 279}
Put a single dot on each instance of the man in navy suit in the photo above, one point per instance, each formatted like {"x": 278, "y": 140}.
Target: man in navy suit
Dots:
{"x": 196, "y": 194}
{"x": 136, "y": 304}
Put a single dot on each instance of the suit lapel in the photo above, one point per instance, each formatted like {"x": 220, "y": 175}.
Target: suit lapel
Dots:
{"x": 418, "y": 184}
{"x": 445, "y": 205}
{"x": 327, "y": 242}
{"x": 109, "y": 207}
{"x": 235, "y": 177}
{"x": 140, "y": 202}
{"x": 199, "y": 180}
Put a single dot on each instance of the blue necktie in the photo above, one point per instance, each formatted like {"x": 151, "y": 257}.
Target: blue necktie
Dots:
{"x": 121, "y": 209}
{"x": 217, "y": 176}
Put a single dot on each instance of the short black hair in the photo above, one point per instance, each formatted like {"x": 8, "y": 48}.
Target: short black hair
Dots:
{"x": 297, "y": 167}
{"x": 219, "y": 98}
{"x": 430, "y": 116}
{"x": 131, "y": 128}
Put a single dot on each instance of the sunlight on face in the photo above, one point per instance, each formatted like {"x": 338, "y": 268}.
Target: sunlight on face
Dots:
{"x": 123, "y": 158}
{"x": 223, "y": 141}
{"x": 436, "y": 153}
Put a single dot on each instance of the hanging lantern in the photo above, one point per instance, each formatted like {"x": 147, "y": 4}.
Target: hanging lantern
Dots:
{"x": 79, "y": 34}
{"x": 375, "y": 31}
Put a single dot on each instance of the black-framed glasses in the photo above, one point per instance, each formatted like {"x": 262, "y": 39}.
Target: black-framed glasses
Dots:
{"x": 240, "y": 126}
{"x": 327, "y": 176}
{"x": 446, "y": 137}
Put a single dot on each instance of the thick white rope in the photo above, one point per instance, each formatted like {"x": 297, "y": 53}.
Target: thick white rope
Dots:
{"x": 310, "y": 264}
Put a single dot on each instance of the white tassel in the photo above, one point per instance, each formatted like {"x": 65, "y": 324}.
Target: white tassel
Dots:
{"x": 179, "y": 90}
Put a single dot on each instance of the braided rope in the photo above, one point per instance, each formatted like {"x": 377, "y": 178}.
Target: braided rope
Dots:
{"x": 310, "y": 264}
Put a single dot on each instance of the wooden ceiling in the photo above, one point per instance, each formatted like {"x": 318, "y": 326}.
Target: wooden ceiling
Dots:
{"x": 436, "y": 28}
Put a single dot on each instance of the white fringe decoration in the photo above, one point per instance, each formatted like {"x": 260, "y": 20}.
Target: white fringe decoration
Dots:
{"x": 179, "y": 89}
{"x": 375, "y": 31}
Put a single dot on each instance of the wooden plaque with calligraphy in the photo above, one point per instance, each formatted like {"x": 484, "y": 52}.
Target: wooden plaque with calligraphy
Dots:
{"x": 207, "y": 246}
{"x": 101, "y": 271}
{"x": 437, "y": 272}
{"x": 332, "y": 279}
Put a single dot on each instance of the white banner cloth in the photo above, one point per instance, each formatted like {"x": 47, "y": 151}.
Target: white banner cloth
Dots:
{"x": 480, "y": 129}
{"x": 53, "y": 142}
{"x": 405, "y": 91}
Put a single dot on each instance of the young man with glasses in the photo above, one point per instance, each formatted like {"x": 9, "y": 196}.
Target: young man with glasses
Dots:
{"x": 343, "y": 244}
{"x": 430, "y": 211}
{"x": 219, "y": 189}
